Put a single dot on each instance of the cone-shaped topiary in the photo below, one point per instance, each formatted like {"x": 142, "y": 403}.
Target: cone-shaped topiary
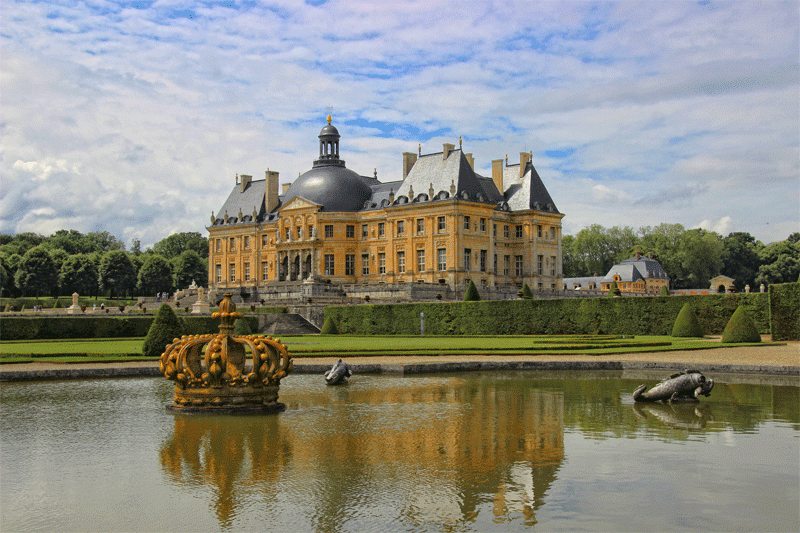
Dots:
{"x": 687, "y": 323}
{"x": 472, "y": 293}
{"x": 57, "y": 305}
{"x": 613, "y": 290}
{"x": 664, "y": 291}
{"x": 165, "y": 328}
{"x": 242, "y": 327}
{"x": 741, "y": 328}
{"x": 329, "y": 327}
{"x": 527, "y": 293}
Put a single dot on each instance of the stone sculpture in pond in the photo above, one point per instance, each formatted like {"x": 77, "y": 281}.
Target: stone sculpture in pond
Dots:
{"x": 688, "y": 385}
{"x": 338, "y": 374}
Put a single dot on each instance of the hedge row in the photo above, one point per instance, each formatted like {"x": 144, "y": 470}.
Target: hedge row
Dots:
{"x": 95, "y": 327}
{"x": 784, "y": 311}
{"x": 594, "y": 316}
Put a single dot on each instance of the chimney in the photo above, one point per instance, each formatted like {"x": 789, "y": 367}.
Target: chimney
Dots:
{"x": 524, "y": 159}
{"x": 470, "y": 160}
{"x": 638, "y": 255}
{"x": 497, "y": 174}
{"x": 246, "y": 181}
{"x": 649, "y": 255}
{"x": 286, "y": 187}
{"x": 271, "y": 190}
{"x": 409, "y": 158}
{"x": 446, "y": 149}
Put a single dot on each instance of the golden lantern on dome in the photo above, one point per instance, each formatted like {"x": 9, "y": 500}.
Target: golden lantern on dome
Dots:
{"x": 210, "y": 374}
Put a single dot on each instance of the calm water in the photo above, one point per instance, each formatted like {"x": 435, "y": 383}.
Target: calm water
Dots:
{"x": 449, "y": 452}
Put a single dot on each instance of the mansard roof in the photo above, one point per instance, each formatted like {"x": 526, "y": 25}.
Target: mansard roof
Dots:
{"x": 527, "y": 192}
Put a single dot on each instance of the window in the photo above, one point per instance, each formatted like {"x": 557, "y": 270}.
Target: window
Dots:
{"x": 467, "y": 255}
{"x": 299, "y": 232}
{"x": 310, "y": 230}
{"x": 401, "y": 262}
{"x": 247, "y": 271}
{"x": 442, "y": 253}
{"x": 288, "y": 234}
{"x": 329, "y": 265}
{"x": 539, "y": 230}
{"x": 264, "y": 271}
{"x": 381, "y": 229}
{"x": 553, "y": 233}
{"x": 506, "y": 264}
{"x": 483, "y": 260}
{"x": 382, "y": 263}
{"x": 232, "y": 272}
{"x": 553, "y": 265}
{"x": 442, "y": 224}
{"x": 232, "y": 244}
{"x": 264, "y": 241}
{"x": 401, "y": 227}
{"x": 539, "y": 264}
{"x": 350, "y": 265}
{"x": 505, "y": 232}
{"x": 494, "y": 265}
{"x": 364, "y": 231}
{"x": 246, "y": 242}
{"x": 365, "y": 264}
{"x": 328, "y": 231}
{"x": 483, "y": 224}
{"x": 219, "y": 245}
{"x": 518, "y": 231}
{"x": 420, "y": 260}
{"x": 420, "y": 226}
{"x": 466, "y": 222}
{"x": 494, "y": 230}
{"x": 518, "y": 265}
{"x": 218, "y": 270}
{"x": 350, "y": 231}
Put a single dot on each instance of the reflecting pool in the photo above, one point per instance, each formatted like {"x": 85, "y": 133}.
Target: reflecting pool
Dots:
{"x": 505, "y": 451}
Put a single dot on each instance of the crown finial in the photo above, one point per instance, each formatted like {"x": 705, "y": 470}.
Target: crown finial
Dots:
{"x": 329, "y": 119}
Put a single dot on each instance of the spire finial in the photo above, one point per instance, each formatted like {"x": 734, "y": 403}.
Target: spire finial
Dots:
{"x": 329, "y": 119}
{"x": 419, "y": 148}
{"x": 459, "y": 142}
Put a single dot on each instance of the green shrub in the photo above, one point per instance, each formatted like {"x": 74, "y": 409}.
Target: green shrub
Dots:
{"x": 163, "y": 331}
{"x": 784, "y": 311}
{"x": 329, "y": 327}
{"x": 472, "y": 294}
{"x": 242, "y": 327}
{"x": 664, "y": 291}
{"x": 613, "y": 290}
{"x": 57, "y": 304}
{"x": 527, "y": 294}
{"x": 687, "y": 324}
{"x": 741, "y": 328}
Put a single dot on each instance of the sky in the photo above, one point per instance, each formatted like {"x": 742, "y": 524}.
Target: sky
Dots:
{"x": 135, "y": 117}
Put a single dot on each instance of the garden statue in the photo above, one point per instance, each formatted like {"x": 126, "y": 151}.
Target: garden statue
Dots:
{"x": 338, "y": 374}
{"x": 219, "y": 381}
{"x": 683, "y": 386}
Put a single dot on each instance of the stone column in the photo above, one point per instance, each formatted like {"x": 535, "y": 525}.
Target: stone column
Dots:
{"x": 75, "y": 308}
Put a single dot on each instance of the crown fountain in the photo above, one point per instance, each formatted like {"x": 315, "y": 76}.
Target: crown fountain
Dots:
{"x": 218, "y": 381}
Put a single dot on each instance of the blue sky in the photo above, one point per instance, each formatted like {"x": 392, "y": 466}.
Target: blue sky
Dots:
{"x": 135, "y": 117}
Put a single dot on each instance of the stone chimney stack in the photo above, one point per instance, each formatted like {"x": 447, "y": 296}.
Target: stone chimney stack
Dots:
{"x": 446, "y": 149}
{"x": 470, "y": 160}
{"x": 524, "y": 158}
{"x": 638, "y": 255}
{"x": 409, "y": 158}
{"x": 246, "y": 181}
{"x": 497, "y": 174}
{"x": 271, "y": 190}
{"x": 649, "y": 255}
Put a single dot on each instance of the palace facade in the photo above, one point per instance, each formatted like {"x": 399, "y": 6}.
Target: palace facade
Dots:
{"x": 441, "y": 224}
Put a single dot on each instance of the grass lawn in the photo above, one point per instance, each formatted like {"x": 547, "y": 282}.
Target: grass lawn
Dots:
{"x": 309, "y": 346}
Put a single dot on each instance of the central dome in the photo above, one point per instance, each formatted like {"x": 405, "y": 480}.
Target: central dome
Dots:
{"x": 329, "y": 183}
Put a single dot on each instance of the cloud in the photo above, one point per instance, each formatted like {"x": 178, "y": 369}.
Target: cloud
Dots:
{"x": 721, "y": 226}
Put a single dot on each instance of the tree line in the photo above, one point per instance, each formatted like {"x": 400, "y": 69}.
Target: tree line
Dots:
{"x": 690, "y": 257}
{"x": 97, "y": 264}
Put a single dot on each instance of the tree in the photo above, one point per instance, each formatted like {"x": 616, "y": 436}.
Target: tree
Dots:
{"x": 78, "y": 274}
{"x": 472, "y": 294}
{"x": 664, "y": 241}
{"x": 780, "y": 263}
{"x": 6, "y": 279}
{"x": 701, "y": 257}
{"x": 527, "y": 294}
{"x": 155, "y": 275}
{"x": 21, "y": 243}
{"x": 177, "y": 243}
{"x": 36, "y": 273}
{"x": 163, "y": 331}
{"x": 687, "y": 324}
{"x": 740, "y": 259}
{"x": 613, "y": 290}
{"x": 102, "y": 242}
{"x": 188, "y": 267}
{"x": 116, "y": 274}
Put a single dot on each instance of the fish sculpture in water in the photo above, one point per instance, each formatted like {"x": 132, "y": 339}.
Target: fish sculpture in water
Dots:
{"x": 338, "y": 374}
{"x": 688, "y": 385}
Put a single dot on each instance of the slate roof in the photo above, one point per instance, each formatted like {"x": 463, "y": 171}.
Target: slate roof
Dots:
{"x": 445, "y": 174}
{"x": 527, "y": 192}
{"x": 252, "y": 198}
{"x": 583, "y": 282}
{"x": 634, "y": 269}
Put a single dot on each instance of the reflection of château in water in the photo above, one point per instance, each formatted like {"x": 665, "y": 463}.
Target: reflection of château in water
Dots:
{"x": 452, "y": 444}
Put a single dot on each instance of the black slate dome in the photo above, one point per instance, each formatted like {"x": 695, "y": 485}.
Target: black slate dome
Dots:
{"x": 329, "y": 183}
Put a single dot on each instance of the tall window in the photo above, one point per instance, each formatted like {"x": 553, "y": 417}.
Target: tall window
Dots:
{"x": 329, "y": 265}
{"x": 264, "y": 241}
{"x": 401, "y": 227}
{"x": 539, "y": 264}
{"x": 442, "y": 224}
{"x": 420, "y": 260}
{"x": 539, "y": 230}
{"x": 483, "y": 260}
{"x": 382, "y": 263}
{"x": 442, "y": 253}
{"x": 246, "y": 242}
{"x": 219, "y": 245}
{"x": 505, "y": 232}
{"x": 494, "y": 265}
{"x": 350, "y": 265}
{"x": 466, "y": 222}
{"x": 420, "y": 226}
{"x": 381, "y": 229}
{"x": 518, "y": 265}
{"x": 553, "y": 265}
{"x": 288, "y": 234}
{"x": 364, "y": 231}
{"x": 264, "y": 271}
{"x": 365, "y": 264}
{"x": 328, "y": 231}
{"x": 232, "y": 272}
{"x": 232, "y": 244}
{"x": 494, "y": 230}
{"x": 518, "y": 231}
{"x": 467, "y": 256}
{"x": 350, "y": 231}
{"x": 218, "y": 271}
{"x": 552, "y": 233}
{"x": 506, "y": 264}
{"x": 247, "y": 271}
{"x": 401, "y": 262}
{"x": 483, "y": 224}
{"x": 310, "y": 230}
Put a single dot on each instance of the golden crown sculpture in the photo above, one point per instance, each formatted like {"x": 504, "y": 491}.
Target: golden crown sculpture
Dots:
{"x": 222, "y": 383}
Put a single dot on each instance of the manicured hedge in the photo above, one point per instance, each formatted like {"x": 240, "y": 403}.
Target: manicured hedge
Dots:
{"x": 784, "y": 311}
{"x": 631, "y": 316}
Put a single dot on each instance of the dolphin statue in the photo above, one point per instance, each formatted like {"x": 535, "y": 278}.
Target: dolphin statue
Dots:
{"x": 688, "y": 385}
{"x": 338, "y": 374}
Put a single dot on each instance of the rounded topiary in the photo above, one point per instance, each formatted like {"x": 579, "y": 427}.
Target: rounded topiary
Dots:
{"x": 329, "y": 327}
{"x": 613, "y": 290}
{"x": 163, "y": 331}
{"x": 472, "y": 294}
{"x": 664, "y": 291}
{"x": 242, "y": 327}
{"x": 687, "y": 324}
{"x": 741, "y": 328}
{"x": 527, "y": 293}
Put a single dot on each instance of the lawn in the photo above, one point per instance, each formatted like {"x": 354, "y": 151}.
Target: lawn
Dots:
{"x": 310, "y": 346}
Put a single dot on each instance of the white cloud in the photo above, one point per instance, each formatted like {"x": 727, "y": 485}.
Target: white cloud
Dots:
{"x": 721, "y": 226}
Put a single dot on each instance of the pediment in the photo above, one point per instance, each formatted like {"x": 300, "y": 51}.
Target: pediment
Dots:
{"x": 299, "y": 202}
